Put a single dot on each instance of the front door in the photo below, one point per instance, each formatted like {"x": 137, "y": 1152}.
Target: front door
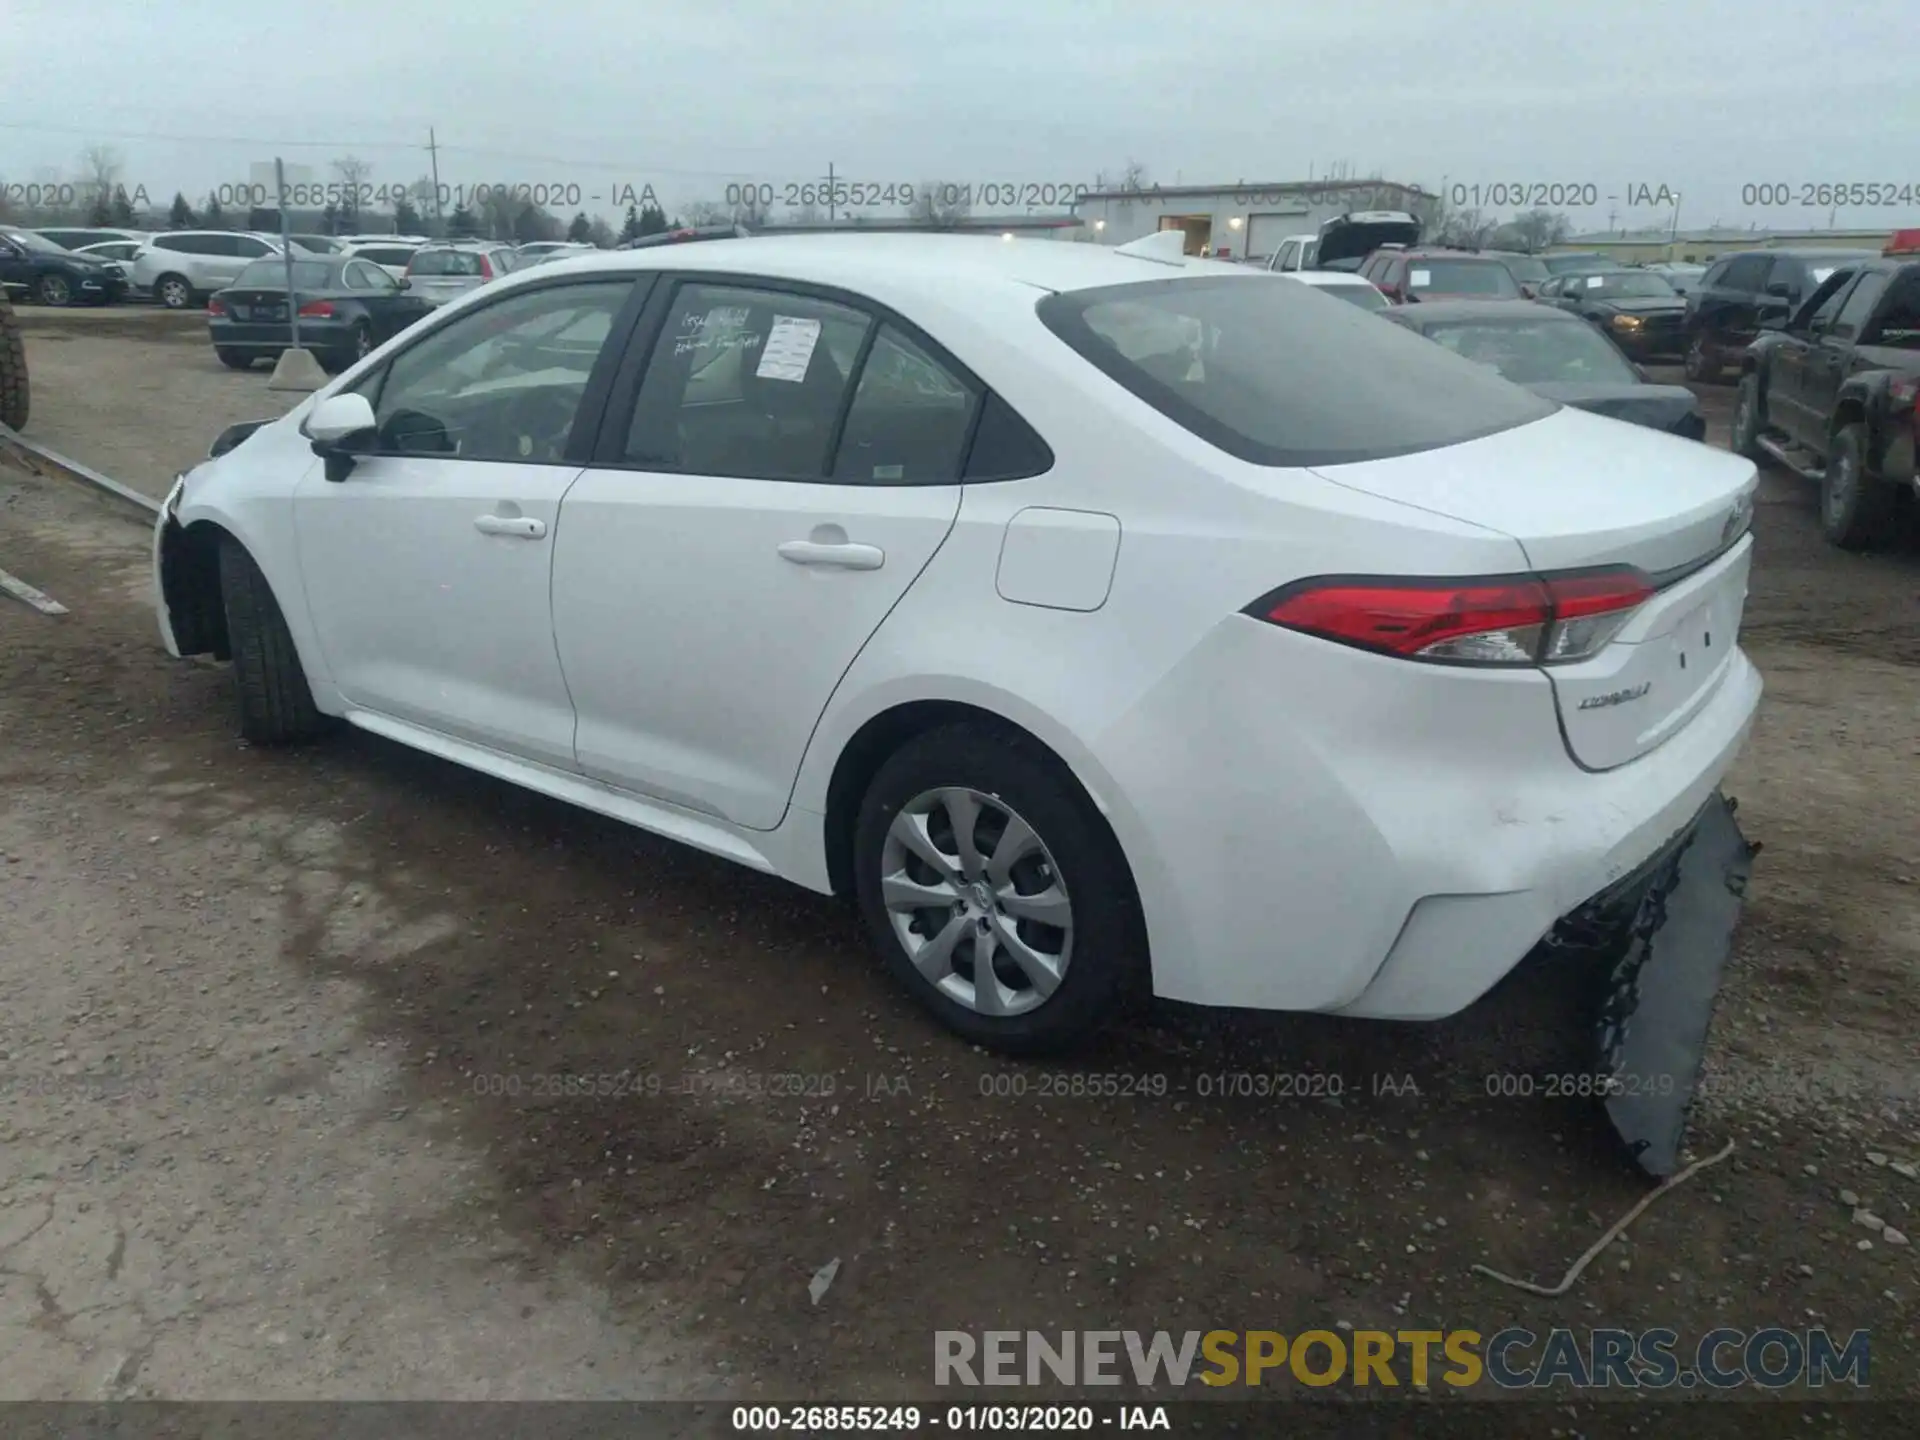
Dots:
{"x": 1788, "y": 374}
{"x": 428, "y": 569}
{"x": 790, "y": 465}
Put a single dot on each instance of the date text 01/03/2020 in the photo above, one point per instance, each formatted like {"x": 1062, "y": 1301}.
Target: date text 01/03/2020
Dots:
{"x": 844, "y": 194}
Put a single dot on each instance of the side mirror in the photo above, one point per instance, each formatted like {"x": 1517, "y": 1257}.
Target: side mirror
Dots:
{"x": 1529, "y": 291}
{"x": 404, "y": 283}
{"x": 339, "y": 427}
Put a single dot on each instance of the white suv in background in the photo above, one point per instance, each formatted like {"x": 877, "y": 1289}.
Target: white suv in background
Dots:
{"x": 390, "y": 254}
{"x": 180, "y": 268}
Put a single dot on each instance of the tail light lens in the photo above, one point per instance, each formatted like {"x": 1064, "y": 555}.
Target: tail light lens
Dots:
{"x": 317, "y": 310}
{"x": 216, "y": 306}
{"x": 486, "y": 269}
{"x": 1500, "y": 620}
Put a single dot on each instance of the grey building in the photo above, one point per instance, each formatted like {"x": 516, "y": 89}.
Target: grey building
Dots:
{"x": 1240, "y": 221}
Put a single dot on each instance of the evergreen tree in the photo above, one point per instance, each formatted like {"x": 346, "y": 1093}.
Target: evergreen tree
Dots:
{"x": 580, "y": 232}
{"x": 181, "y": 216}
{"x": 653, "y": 220}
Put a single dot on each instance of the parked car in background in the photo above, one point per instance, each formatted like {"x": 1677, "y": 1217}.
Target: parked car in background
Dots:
{"x": 117, "y": 253}
{"x": 1350, "y": 288}
{"x": 1427, "y": 273}
{"x": 1831, "y": 394}
{"x": 1554, "y": 353}
{"x": 731, "y": 545}
{"x": 1742, "y": 291}
{"x": 535, "y": 249}
{"x": 726, "y": 231}
{"x": 1685, "y": 278}
{"x": 1295, "y": 252}
{"x": 35, "y": 268}
{"x": 348, "y": 306}
{"x": 1637, "y": 309}
{"x": 447, "y": 270}
{"x": 319, "y": 244}
{"x": 391, "y": 256}
{"x": 72, "y": 238}
{"x": 180, "y": 268}
{"x": 565, "y": 252}
{"x": 1530, "y": 272}
{"x": 1567, "y": 261}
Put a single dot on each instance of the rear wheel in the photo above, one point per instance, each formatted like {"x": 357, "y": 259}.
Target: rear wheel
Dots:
{"x": 1856, "y": 510}
{"x": 173, "y": 291}
{"x": 995, "y": 892}
{"x": 53, "y": 290}
{"x": 359, "y": 345}
{"x": 1703, "y": 359}
{"x": 276, "y": 704}
{"x": 234, "y": 359}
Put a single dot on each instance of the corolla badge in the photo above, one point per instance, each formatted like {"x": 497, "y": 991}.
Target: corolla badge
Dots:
{"x": 1616, "y": 697}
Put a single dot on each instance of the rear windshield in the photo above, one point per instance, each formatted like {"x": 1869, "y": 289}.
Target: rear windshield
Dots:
{"x": 1365, "y": 296}
{"x": 1528, "y": 269}
{"x": 1536, "y": 352}
{"x": 272, "y": 275}
{"x": 445, "y": 262}
{"x": 1462, "y": 277}
{"x": 1269, "y": 373}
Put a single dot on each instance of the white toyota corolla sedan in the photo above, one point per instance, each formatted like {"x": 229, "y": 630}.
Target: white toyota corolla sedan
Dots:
{"x": 1098, "y": 620}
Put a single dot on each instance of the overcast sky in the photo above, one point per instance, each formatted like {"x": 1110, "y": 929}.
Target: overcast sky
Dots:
{"x": 1703, "y": 96}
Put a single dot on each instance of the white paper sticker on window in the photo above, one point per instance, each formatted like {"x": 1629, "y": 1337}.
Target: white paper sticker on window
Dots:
{"x": 1421, "y": 277}
{"x": 1594, "y": 282}
{"x": 789, "y": 348}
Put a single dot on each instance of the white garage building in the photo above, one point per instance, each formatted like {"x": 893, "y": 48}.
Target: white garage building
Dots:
{"x": 1240, "y": 221}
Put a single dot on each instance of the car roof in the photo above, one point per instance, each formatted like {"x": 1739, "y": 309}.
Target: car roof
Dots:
{"x": 1433, "y": 311}
{"x": 1447, "y": 252}
{"x": 1326, "y": 277}
{"x": 1805, "y": 252}
{"x": 901, "y": 263}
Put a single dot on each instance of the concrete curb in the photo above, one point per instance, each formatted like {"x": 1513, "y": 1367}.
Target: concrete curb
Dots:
{"x": 37, "y": 459}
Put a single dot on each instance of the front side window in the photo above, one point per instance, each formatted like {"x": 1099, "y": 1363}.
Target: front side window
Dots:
{"x": 502, "y": 383}
{"x": 250, "y": 248}
{"x": 1270, "y": 375}
{"x": 746, "y": 382}
{"x": 1859, "y": 305}
{"x": 271, "y": 274}
{"x": 1746, "y": 273}
{"x": 1825, "y": 303}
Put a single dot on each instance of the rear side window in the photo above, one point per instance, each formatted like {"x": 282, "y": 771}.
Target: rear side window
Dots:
{"x": 1745, "y": 272}
{"x": 1269, "y": 374}
{"x": 1005, "y": 447}
{"x": 909, "y": 419}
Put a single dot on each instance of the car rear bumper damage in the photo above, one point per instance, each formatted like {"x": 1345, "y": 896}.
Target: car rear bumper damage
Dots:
{"x": 1664, "y": 934}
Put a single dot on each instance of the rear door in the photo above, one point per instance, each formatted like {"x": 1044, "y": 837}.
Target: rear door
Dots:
{"x": 234, "y": 253}
{"x": 1791, "y": 386}
{"x": 778, "y": 466}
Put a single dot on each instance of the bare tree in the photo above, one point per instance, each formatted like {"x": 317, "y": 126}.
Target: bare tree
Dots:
{"x": 1470, "y": 227}
{"x": 939, "y": 205}
{"x": 1537, "y": 229}
{"x": 808, "y": 214}
{"x": 101, "y": 167}
{"x": 709, "y": 212}
{"x": 354, "y": 173}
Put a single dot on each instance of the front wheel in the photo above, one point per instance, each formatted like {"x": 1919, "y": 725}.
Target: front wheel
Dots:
{"x": 1745, "y": 440}
{"x": 53, "y": 290}
{"x": 173, "y": 292}
{"x": 1703, "y": 360}
{"x": 995, "y": 892}
{"x": 276, "y": 704}
{"x": 1856, "y": 510}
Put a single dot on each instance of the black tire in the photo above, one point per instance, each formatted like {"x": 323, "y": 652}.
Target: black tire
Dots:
{"x": 358, "y": 347}
{"x": 14, "y": 394}
{"x": 1747, "y": 421}
{"x": 276, "y": 705}
{"x": 174, "y": 291}
{"x": 234, "y": 359}
{"x": 53, "y": 290}
{"x": 1856, "y": 510}
{"x": 1702, "y": 360}
{"x": 1107, "y": 962}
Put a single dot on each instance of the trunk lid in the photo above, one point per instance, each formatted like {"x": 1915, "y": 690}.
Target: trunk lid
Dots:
{"x": 1575, "y": 491}
{"x": 1357, "y": 235}
{"x": 255, "y": 305}
{"x": 1660, "y": 406}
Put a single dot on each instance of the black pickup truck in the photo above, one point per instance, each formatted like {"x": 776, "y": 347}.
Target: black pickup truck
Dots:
{"x": 1830, "y": 392}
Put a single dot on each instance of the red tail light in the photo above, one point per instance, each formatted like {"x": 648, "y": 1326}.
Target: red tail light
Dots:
{"x": 486, "y": 269}
{"x": 317, "y": 310}
{"x": 216, "y": 306}
{"x": 1497, "y": 620}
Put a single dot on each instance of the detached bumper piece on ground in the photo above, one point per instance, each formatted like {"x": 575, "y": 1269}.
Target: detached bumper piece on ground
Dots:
{"x": 1666, "y": 930}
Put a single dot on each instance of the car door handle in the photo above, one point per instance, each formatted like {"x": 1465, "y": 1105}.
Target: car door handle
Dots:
{"x": 521, "y": 527}
{"x": 841, "y": 556}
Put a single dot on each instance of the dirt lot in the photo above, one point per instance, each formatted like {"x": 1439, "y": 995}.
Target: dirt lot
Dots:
{"x": 331, "y": 984}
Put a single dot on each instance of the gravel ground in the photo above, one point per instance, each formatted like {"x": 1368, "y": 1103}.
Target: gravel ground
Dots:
{"x": 332, "y": 984}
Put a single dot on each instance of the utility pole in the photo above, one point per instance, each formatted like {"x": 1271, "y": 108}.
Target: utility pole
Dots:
{"x": 832, "y": 208}
{"x": 433, "y": 150}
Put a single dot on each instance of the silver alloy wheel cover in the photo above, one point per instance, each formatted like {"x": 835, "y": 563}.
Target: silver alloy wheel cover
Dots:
{"x": 172, "y": 288}
{"x": 978, "y": 895}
